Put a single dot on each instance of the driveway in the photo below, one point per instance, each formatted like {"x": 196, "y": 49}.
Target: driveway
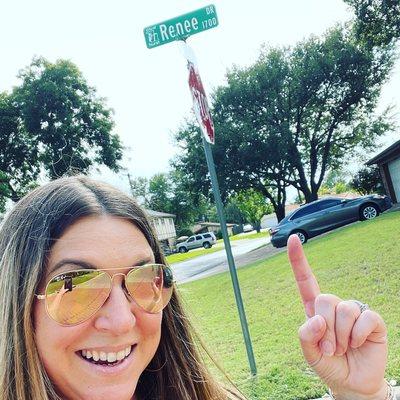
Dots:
{"x": 245, "y": 251}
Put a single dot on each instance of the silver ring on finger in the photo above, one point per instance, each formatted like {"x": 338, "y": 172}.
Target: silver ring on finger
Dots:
{"x": 362, "y": 306}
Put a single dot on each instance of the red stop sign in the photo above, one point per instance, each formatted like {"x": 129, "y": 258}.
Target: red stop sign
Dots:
{"x": 200, "y": 104}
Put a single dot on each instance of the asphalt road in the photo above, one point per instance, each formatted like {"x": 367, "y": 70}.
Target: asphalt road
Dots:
{"x": 244, "y": 252}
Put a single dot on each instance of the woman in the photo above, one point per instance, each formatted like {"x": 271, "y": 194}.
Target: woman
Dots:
{"x": 89, "y": 310}
{"x": 88, "y": 307}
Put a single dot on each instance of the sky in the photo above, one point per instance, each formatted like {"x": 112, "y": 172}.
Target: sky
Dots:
{"x": 147, "y": 89}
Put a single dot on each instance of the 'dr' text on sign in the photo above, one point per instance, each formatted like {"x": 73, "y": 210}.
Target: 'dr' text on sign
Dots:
{"x": 181, "y": 27}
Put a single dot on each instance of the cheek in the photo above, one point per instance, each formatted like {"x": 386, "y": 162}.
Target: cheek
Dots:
{"x": 149, "y": 327}
{"x": 54, "y": 342}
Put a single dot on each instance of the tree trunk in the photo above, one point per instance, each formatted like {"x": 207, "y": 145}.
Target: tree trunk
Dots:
{"x": 280, "y": 212}
{"x": 310, "y": 195}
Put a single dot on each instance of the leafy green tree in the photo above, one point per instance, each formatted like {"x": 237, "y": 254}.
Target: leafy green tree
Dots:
{"x": 187, "y": 204}
{"x": 254, "y": 206}
{"x": 19, "y": 154}
{"x": 53, "y": 122}
{"x": 160, "y": 193}
{"x": 139, "y": 188}
{"x": 336, "y": 182}
{"x": 291, "y": 117}
{"x": 169, "y": 192}
{"x": 244, "y": 159}
{"x": 233, "y": 212}
{"x": 368, "y": 180}
{"x": 377, "y": 22}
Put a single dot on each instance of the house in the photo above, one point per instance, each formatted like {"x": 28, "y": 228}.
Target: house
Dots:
{"x": 201, "y": 227}
{"x": 388, "y": 162}
{"x": 164, "y": 226}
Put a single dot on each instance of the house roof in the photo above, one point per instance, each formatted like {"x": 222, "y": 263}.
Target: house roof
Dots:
{"x": 158, "y": 214}
{"x": 387, "y": 153}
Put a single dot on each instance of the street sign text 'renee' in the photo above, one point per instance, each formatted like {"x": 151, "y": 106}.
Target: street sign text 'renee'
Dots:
{"x": 181, "y": 27}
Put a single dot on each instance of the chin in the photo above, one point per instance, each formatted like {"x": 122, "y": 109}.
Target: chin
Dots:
{"x": 101, "y": 392}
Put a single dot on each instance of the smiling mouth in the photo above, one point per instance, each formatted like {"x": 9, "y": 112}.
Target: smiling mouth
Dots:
{"x": 106, "y": 359}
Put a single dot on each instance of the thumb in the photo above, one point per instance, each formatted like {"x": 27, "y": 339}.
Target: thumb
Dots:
{"x": 310, "y": 333}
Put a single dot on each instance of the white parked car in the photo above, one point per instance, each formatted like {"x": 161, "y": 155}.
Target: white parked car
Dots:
{"x": 205, "y": 240}
{"x": 248, "y": 228}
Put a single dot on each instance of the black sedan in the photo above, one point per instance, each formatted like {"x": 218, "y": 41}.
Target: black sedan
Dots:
{"x": 323, "y": 215}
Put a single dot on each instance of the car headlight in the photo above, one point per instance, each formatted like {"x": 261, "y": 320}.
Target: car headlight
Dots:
{"x": 378, "y": 196}
{"x": 272, "y": 231}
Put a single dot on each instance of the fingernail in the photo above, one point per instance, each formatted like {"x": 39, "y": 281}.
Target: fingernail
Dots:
{"x": 327, "y": 348}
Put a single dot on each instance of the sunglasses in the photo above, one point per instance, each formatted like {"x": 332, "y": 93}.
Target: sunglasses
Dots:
{"x": 75, "y": 296}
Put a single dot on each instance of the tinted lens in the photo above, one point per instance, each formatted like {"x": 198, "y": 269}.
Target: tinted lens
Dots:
{"x": 73, "y": 297}
{"x": 150, "y": 286}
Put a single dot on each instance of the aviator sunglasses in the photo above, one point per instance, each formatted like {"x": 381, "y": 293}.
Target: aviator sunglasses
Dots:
{"x": 75, "y": 296}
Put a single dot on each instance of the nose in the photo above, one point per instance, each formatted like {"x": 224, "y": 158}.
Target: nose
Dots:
{"x": 116, "y": 315}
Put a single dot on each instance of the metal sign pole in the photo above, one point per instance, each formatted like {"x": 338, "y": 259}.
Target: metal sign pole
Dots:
{"x": 180, "y": 28}
{"x": 231, "y": 262}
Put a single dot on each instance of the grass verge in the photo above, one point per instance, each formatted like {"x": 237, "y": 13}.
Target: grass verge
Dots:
{"x": 241, "y": 236}
{"x": 178, "y": 257}
{"x": 360, "y": 261}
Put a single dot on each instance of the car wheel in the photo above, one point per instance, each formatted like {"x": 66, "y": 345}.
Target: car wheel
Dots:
{"x": 302, "y": 236}
{"x": 182, "y": 249}
{"x": 206, "y": 245}
{"x": 369, "y": 211}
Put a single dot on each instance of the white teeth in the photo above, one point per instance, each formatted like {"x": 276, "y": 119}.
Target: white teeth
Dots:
{"x": 95, "y": 355}
{"x": 109, "y": 357}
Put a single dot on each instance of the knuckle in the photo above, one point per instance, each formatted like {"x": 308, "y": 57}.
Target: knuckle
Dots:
{"x": 303, "y": 333}
{"x": 347, "y": 310}
{"x": 325, "y": 299}
{"x": 373, "y": 316}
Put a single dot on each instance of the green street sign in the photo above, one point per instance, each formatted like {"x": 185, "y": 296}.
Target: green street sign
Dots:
{"x": 181, "y": 27}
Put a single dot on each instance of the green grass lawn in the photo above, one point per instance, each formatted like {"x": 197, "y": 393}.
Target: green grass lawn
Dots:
{"x": 178, "y": 257}
{"x": 254, "y": 235}
{"x": 360, "y": 261}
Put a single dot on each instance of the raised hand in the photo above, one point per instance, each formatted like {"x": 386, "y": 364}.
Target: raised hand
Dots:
{"x": 347, "y": 348}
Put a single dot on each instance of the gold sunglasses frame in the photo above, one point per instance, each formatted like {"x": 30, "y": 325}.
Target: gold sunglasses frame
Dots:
{"x": 125, "y": 288}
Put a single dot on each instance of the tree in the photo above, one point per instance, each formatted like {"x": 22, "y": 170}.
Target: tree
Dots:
{"x": 168, "y": 192}
{"x": 336, "y": 182}
{"x": 254, "y": 206}
{"x": 244, "y": 159}
{"x": 292, "y": 116}
{"x": 160, "y": 193}
{"x": 19, "y": 154}
{"x": 377, "y": 22}
{"x": 53, "y": 122}
{"x": 233, "y": 213}
{"x": 139, "y": 189}
{"x": 368, "y": 180}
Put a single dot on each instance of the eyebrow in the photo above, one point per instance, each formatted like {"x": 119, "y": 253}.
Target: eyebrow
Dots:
{"x": 87, "y": 265}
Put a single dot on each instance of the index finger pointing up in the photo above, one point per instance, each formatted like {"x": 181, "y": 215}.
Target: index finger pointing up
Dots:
{"x": 306, "y": 282}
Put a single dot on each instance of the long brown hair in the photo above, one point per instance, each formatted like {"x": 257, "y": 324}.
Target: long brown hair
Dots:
{"x": 177, "y": 370}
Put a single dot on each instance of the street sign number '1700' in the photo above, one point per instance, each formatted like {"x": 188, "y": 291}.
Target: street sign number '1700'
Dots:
{"x": 181, "y": 27}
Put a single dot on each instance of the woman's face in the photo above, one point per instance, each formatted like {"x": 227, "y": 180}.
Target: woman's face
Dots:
{"x": 105, "y": 242}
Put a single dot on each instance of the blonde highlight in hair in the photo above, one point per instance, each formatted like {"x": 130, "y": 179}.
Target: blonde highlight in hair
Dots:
{"x": 26, "y": 237}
